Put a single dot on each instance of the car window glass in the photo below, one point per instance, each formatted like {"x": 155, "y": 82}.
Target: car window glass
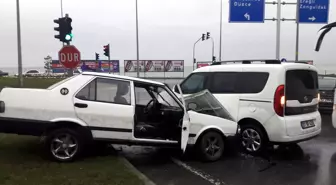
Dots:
{"x": 142, "y": 97}
{"x": 193, "y": 84}
{"x": 251, "y": 82}
{"x": 88, "y": 92}
{"x": 32, "y": 71}
{"x": 223, "y": 82}
{"x": 106, "y": 90}
{"x": 113, "y": 91}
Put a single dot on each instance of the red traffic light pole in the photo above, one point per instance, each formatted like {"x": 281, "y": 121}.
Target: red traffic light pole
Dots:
{"x": 107, "y": 53}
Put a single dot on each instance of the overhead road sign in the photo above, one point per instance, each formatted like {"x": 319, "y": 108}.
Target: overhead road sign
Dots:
{"x": 247, "y": 11}
{"x": 314, "y": 11}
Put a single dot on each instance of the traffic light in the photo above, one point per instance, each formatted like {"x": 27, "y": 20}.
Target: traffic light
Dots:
{"x": 107, "y": 50}
{"x": 97, "y": 56}
{"x": 64, "y": 29}
{"x": 203, "y": 36}
{"x": 68, "y": 29}
{"x": 208, "y": 35}
{"x": 213, "y": 58}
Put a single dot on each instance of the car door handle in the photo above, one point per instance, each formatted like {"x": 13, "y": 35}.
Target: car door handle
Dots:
{"x": 81, "y": 105}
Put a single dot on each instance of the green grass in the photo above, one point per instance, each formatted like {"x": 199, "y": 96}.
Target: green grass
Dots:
{"x": 28, "y": 82}
{"x": 22, "y": 163}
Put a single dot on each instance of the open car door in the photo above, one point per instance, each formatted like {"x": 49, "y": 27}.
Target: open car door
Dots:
{"x": 185, "y": 127}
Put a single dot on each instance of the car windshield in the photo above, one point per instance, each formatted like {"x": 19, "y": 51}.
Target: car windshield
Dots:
{"x": 327, "y": 84}
{"x": 32, "y": 71}
{"x": 204, "y": 102}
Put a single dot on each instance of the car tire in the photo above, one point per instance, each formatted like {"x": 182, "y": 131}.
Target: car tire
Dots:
{"x": 64, "y": 144}
{"x": 252, "y": 139}
{"x": 211, "y": 146}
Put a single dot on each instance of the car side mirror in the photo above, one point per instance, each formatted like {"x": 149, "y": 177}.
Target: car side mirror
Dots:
{"x": 192, "y": 106}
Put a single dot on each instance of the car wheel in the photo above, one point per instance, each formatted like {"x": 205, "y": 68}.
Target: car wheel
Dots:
{"x": 64, "y": 145}
{"x": 211, "y": 146}
{"x": 253, "y": 139}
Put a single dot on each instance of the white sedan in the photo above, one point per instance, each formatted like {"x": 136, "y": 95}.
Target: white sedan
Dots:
{"x": 91, "y": 108}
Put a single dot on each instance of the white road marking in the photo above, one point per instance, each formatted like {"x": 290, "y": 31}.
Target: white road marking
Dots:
{"x": 199, "y": 173}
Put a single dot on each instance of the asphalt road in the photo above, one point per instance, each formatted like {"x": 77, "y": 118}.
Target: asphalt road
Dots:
{"x": 309, "y": 163}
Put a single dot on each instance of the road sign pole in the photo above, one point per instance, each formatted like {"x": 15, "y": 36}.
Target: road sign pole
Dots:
{"x": 278, "y": 30}
{"x": 297, "y": 31}
{"x": 19, "y": 43}
{"x": 70, "y": 70}
{"x": 220, "y": 30}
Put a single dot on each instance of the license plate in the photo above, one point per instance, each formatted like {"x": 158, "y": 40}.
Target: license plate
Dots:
{"x": 308, "y": 124}
{"x": 326, "y": 100}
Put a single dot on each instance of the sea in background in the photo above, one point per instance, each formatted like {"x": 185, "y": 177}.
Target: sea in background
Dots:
{"x": 323, "y": 69}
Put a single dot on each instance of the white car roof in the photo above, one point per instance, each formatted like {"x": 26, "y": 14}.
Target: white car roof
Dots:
{"x": 122, "y": 77}
{"x": 262, "y": 67}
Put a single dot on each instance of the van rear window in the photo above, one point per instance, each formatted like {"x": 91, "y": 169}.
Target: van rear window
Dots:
{"x": 301, "y": 85}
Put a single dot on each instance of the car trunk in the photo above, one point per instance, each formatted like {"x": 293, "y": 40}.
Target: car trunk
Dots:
{"x": 301, "y": 92}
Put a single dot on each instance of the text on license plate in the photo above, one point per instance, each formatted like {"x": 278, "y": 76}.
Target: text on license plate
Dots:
{"x": 308, "y": 124}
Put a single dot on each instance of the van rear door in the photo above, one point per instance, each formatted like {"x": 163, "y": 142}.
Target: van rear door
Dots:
{"x": 301, "y": 92}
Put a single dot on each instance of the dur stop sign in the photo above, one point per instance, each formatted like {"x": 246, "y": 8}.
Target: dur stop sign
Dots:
{"x": 69, "y": 57}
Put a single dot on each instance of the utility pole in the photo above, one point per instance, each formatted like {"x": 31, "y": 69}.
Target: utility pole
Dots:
{"x": 19, "y": 43}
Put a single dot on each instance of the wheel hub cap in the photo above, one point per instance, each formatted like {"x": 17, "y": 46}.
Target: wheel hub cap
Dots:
{"x": 64, "y": 146}
{"x": 251, "y": 140}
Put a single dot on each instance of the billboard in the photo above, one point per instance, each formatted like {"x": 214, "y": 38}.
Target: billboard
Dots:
{"x": 155, "y": 65}
{"x": 89, "y": 65}
{"x": 203, "y": 64}
{"x": 131, "y": 66}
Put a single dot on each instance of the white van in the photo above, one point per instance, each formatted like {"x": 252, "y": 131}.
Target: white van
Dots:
{"x": 272, "y": 102}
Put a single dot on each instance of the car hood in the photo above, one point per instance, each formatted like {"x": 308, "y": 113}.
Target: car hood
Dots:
{"x": 205, "y": 103}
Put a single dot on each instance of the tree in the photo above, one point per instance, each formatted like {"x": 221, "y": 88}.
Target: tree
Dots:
{"x": 47, "y": 64}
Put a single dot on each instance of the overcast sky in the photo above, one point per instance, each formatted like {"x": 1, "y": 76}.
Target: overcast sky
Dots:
{"x": 167, "y": 30}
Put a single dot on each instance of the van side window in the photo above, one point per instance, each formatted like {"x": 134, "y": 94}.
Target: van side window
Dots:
{"x": 251, "y": 82}
{"x": 223, "y": 82}
{"x": 238, "y": 82}
{"x": 194, "y": 83}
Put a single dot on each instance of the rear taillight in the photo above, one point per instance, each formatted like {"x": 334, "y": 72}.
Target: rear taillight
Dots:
{"x": 318, "y": 97}
{"x": 279, "y": 100}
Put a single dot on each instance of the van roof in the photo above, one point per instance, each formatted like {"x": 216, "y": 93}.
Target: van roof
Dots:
{"x": 262, "y": 67}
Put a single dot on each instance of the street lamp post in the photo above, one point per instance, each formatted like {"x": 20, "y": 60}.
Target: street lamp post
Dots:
{"x": 137, "y": 37}
{"x": 194, "y": 59}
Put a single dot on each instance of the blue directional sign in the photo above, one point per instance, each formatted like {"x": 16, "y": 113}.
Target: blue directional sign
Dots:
{"x": 314, "y": 11}
{"x": 248, "y": 11}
